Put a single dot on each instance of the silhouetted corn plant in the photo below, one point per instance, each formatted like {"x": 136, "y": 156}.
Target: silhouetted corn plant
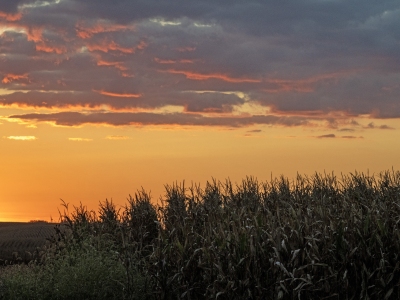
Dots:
{"x": 315, "y": 237}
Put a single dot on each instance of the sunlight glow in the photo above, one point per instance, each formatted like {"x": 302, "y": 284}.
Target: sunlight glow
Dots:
{"x": 5, "y": 92}
{"x": 11, "y": 29}
{"x": 117, "y": 137}
{"x": 162, "y": 22}
{"x": 80, "y": 140}
{"x": 39, "y": 4}
{"x": 22, "y": 137}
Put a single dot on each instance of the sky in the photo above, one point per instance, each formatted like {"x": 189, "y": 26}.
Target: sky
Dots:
{"x": 100, "y": 98}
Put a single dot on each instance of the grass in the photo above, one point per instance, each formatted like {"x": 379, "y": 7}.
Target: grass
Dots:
{"x": 318, "y": 237}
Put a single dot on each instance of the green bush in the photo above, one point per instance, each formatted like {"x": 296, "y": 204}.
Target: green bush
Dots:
{"x": 79, "y": 274}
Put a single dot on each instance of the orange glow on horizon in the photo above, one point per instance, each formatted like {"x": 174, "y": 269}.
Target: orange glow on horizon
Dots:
{"x": 90, "y": 164}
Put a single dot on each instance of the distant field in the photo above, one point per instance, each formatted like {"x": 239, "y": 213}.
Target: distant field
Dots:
{"x": 23, "y": 237}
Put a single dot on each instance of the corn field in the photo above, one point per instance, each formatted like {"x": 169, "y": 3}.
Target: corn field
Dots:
{"x": 317, "y": 237}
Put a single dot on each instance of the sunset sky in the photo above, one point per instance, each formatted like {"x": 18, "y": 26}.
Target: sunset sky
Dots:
{"x": 99, "y": 98}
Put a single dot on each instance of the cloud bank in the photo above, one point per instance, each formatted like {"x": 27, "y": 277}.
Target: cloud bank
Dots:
{"x": 131, "y": 62}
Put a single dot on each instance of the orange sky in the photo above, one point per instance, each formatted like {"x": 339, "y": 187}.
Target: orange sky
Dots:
{"x": 99, "y": 100}
{"x": 114, "y": 162}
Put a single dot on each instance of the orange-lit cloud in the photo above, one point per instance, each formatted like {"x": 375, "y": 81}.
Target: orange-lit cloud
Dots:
{"x": 116, "y": 65}
{"x": 84, "y": 31}
{"x": 126, "y": 95}
{"x": 13, "y": 77}
{"x": 199, "y": 76}
{"x": 106, "y": 46}
{"x": 35, "y": 34}
{"x": 51, "y": 49}
{"x": 11, "y": 17}
{"x": 142, "y": 45}
{"x": 22, "y": 138}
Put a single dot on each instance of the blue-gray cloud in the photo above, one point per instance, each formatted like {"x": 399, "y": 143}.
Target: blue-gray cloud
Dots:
{"x": 144, "y": 118}
{"x": 298, "y": 58}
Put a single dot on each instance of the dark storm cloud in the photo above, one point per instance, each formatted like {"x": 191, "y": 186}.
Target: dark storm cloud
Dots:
{"x": 297, "y": 58}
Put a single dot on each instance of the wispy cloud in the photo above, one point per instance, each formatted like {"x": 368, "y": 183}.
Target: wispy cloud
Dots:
{"x": 22, "y": 137}
{"x": 347, "y": 129}
{"x": 85, "y": 30}
{"x": 117, "y": 137}
{"x": 373, "y": 126}
{"x": 327, "y": 136}
{"x": 351, "y": 137}
{"x": 173, "y": 61}
{"x": 333, "y": 136}
{"x": 80, "y": 139}
{"x": 199, "y": 76}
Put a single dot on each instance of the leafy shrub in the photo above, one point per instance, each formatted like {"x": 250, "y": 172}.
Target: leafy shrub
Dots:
{"x": 84, "y": 274}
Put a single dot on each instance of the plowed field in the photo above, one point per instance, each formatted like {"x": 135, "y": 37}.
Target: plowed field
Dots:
{"x": 23, "y": 238}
